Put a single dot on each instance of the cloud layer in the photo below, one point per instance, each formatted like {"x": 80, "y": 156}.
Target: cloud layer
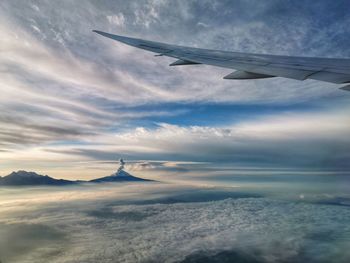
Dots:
{"x": 313, "y": 140}
{"x": 63, "y": 85}
{"x": 148, "y": 224}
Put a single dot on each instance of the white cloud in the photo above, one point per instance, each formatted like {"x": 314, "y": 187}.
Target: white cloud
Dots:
{"x": 282, "y": 129}
{"x": 106, "y": 226}
{"x": 68, "y": 84}
{"x": 117, "y": 20}
{"x": 35, "y": 7}
{"x": 314, "y": 140}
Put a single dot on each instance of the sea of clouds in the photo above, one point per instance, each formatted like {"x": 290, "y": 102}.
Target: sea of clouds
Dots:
{"x": 161, "y": 222}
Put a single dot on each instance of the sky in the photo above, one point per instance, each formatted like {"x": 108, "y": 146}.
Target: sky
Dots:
{"x": 248, "y": 171}
{"x": 73, "y": 102}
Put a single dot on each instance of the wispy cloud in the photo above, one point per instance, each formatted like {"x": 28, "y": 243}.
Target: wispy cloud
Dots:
{"x": 63, "y": 85}
{"x": 312, "y": 140}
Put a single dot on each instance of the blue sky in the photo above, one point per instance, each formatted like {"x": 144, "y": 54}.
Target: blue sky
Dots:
{"x": 73, "y": 101}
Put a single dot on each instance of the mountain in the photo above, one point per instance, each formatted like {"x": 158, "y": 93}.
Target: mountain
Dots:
{"x": 23, "y": 178}
{"x": 31, "y": 178}
{"x": 120, "y": 176}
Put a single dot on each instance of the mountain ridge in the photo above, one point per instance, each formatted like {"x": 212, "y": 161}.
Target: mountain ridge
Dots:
{"x": 24, "y": 178}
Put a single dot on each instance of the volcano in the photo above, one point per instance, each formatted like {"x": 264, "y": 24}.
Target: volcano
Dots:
{"x": 24, "y": 178}
{"x": 120, "y": 176}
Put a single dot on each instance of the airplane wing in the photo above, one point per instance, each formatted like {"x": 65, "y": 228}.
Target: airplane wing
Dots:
{"x": 247, "y": 65}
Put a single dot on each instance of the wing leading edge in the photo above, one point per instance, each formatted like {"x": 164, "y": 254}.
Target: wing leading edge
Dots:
{"x": 247, "y": 65}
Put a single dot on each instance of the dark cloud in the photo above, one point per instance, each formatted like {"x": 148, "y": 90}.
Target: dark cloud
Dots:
{"x": 223, "y": 257}
{"x": 109, "y": 213}
{"x": 21, "y": 239}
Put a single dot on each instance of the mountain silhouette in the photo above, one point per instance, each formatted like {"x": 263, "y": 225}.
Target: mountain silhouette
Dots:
{"x": 24, "y": 178}
{"x": 120, "y": 176}
{"x": 31, "y": 178}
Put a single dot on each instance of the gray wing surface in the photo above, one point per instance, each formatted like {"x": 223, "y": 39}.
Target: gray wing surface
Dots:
{"x": 249, "y": 66}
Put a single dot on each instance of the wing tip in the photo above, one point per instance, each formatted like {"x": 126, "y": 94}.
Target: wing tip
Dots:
{"x": 126, "y": 40}
{"x": 99, "y": 32}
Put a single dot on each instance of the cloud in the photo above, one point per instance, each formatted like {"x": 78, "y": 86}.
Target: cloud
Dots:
{"x": 99, "y": 67}
{"x": 140, "y": 224}
{"x": 313, "y": 139}
{"x": 71, "y": 102}
{"x": 63, "y": 85}
{"x": 310, "y": 139}
{"x": 117, "y": 20}
{"x": 29, "y": 238}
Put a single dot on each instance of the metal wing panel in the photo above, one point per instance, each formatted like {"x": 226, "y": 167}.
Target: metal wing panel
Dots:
{"x": 298, "y": 74}
{"x": 336, "y": 78}
{"x": 300, "y": 68}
